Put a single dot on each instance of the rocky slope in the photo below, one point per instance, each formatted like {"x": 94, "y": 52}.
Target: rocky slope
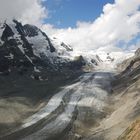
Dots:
{"x": 127, "y": 84}
{"x": 132, "y": 132}
{"x": 122, "y": 122}
{"x": 122, "y": 108}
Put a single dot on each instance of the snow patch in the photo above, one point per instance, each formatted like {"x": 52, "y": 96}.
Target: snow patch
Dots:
{"x": 36, "y": 70}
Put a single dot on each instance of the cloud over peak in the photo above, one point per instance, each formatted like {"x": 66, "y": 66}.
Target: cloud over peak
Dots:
{"x": 27, "y": 11}
{"x": 118, "y": 22}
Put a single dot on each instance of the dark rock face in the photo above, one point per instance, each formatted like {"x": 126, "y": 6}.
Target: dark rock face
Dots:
{"x": 30, "y": 30}
{"x": 52, "y": 48}
{"x": 77, "y": 63}
{"x": 17, "y": 52}
{"x": 11, "y": 56}
{"x": 68, "y": 48}
{"x": 7, "y": 33}
{"x": 98, "y": 58}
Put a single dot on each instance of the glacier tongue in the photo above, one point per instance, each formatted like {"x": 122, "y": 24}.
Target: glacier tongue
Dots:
{"x": 90, "y": 92}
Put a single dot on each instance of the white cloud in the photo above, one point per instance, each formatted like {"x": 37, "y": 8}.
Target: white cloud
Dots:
{"x": 118, "y": 22}
{"x": 27, "y": 11}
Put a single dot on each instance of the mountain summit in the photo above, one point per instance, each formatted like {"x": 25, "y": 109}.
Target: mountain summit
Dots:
{"x": 26, "y": 48}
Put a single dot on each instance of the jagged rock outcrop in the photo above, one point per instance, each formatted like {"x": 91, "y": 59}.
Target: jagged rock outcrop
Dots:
{"x": 26, "y": 48}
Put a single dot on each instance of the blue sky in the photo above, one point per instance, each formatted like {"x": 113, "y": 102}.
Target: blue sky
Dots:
{"x": 119, "y": 25}
{"x": 65, "y": 13}
{"x": 110, "y": 32}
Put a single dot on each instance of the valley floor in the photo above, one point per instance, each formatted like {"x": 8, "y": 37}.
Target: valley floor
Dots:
{"x": 89, "y": 109}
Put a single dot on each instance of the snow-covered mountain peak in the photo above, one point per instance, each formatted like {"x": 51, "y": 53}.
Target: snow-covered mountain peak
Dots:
{"x": 29, "y": 46}
{"x": 62, "y": 48}
{"x": 26, "y": 45}
{"x": 38, "y": 41}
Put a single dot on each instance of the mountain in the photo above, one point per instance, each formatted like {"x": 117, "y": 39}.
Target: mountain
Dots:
{"x": 25, "y": 49}
{"x": 50, "y": 91}
{"x": 119, "y": 119}
{"x": 33, "y": 67}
